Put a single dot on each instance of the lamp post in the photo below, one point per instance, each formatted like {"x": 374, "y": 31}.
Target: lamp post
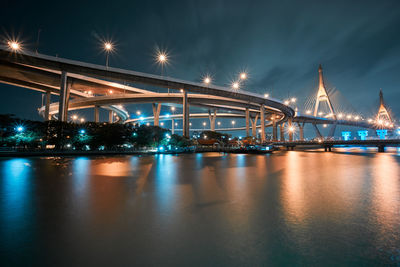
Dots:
{"x": 162, "y": 59}
{"x": 108, "y": 47}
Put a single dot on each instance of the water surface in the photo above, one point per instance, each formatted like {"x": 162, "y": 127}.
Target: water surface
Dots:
{"x": 289, "y": 208}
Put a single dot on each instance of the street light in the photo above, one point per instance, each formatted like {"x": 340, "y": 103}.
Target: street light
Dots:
{"x": 15, "y": 46}
{"x": 204, "y": 125}
{"x": 82, "y": 120}
{"x": 138, "y": 113}
{"x": 74, "y": 117}
{"x": 293, "y": 100}
{"x": 108, "y": 47}
{"x": 233, "y": 122}
{"x": 20, "y": 129}
{"x": 243, "y": 76}
{"x": 235, "y": 85}
{"x": 162, "y": 58}
{"x": 207, "y": 80}
{"x": 266, "y": 95}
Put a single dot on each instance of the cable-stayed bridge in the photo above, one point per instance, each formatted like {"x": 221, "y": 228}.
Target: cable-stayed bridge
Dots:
{"x": 81, "y": 85}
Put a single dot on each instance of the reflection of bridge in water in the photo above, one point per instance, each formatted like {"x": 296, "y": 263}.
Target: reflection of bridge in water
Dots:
{"x": 81, "y": 85}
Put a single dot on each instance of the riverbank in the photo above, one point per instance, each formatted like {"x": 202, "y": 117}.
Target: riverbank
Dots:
{"x": 71, "y": 153}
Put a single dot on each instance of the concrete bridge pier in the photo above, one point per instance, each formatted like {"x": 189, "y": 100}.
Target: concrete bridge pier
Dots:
{"x": 185, "y": 105}
{"x": 247, "y": 122}
{"x": 110, "y": 116}
{"x": 262, "y": 120}
{"x": 290, "y": 124}
{"x": 47, "y": 107}
{"x": 212, "y": 118}
{"x": 156, "y": 113}
{"x": 301, "y": 130}
{"x": 274, "y": 130}
{"x": 64, "y": 95}
{"x": 282, "y": 132}
{"x": 381, "y": 148}
{"x": 254, "y": 126}
{"x": 96, "y": 113}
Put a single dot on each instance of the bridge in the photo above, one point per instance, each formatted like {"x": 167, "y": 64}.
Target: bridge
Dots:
{"x": 328, "y": 144}
{"x": 81, "y": 85}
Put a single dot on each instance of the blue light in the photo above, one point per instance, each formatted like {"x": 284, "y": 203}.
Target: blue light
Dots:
{"x": 161, "y": 148}
{"x": 381, "y": 133}
{"x": 363, "y": 134}
{"x": 141, "y": 118}
{"x": 346, "y": 136}
{"x": 134, "y": 134}
{"x": 82, "y": 131}
{"x": 20, "y": 129}
{"x": 167, "y": 115}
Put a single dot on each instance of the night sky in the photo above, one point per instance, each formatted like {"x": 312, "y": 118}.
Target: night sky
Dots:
{"x": 279, "y": 43}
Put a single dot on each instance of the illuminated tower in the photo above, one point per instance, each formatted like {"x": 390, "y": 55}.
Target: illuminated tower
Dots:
{"x": 383, "y": 114}
{"x": 323, "y": 95}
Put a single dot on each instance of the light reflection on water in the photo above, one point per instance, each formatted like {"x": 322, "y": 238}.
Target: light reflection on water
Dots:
{"x": 289, "y": 208}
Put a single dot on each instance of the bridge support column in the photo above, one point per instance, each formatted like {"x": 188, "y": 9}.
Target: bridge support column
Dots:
{"x": 290, "y": 125}
{"x": 318, "y": 133}
{"x": 47, "y": 107}
{"x": 173, "y": 127}
{"x": 96, "y": 113}
{"x": 64, "y": 95}
{"x": 282, "y": 132}
{"x": 247, "y": 122}
{"x": 274, "y": 130}
{"x": 381, "y": 148}
{"x": 262, "y": 120}
{"x": 332, "y": 130}
{"x": 185, "y": 105}
{"x": 110, "y": 116}
{"x": 156, "y": 114}
{"x": 254, "y": 125}
{"x": 301, "y": 130}
{"x": 212, "y": 118}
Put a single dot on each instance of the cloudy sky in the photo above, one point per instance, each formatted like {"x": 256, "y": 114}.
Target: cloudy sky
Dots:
{"x": 280, "y": 44}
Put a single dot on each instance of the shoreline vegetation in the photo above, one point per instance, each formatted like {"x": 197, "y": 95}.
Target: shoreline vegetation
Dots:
{"x": 54, "y": 138}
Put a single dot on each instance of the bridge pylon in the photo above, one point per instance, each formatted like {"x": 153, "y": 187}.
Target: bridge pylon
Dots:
{"x": 383, "y": 114}
{"x": 323, "y": 95}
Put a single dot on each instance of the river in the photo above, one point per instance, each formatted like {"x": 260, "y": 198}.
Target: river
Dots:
{"x": 289, "y": 208}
